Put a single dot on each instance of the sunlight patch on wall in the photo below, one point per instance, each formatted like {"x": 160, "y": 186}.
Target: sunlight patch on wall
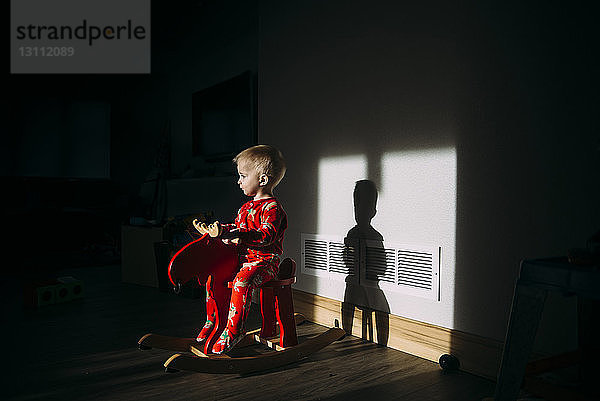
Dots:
{"x": 417, "y": 205}
{"x": 416, "y": 209}
{"x": 417, "y": 198}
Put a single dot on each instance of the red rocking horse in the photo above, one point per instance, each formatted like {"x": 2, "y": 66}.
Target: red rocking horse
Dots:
{"x": 214, "y": 263}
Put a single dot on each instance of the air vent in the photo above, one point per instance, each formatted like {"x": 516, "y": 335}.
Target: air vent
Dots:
{"x": 328, "y": 257}
{"x": 407, "y": 269}
{"x": 394, "y": 268}
{"x": 314, "y": 255}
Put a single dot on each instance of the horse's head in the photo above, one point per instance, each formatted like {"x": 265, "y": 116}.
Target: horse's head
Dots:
{"x": 199, "y": 259}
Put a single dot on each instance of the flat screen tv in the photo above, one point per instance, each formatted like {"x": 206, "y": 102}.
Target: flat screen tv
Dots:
{"x": 223, "y": 118}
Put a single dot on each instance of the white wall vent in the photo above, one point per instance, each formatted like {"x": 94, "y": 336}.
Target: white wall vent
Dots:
{"x": 329, "y": 256}
{"x": 395, "y": 268}
{"x": 415, "y": 269}
{"x": 408, "y": 269}
{"x": 314, "y": 255}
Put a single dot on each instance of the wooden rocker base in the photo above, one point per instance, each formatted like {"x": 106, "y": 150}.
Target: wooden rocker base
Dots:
{"x": 190, "y": 357}
{"x": 242, "y": 365}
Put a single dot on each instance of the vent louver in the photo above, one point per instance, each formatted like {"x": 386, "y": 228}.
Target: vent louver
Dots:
{"x": 341, "y": 258}
{"x": 415, "y": 269}
{"x": 380, "y": 264}
{"x": 328, "y": 256}
{"x": 315, "y": 255}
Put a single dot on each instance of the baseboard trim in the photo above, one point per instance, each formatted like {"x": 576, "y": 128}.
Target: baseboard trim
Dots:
{"x": 477, "y": 355}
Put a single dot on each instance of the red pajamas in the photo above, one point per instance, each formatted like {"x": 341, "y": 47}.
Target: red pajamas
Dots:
{"x": 260, "y": 226}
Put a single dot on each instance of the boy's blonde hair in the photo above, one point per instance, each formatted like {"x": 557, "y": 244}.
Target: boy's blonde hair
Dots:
{"x": 265, "y": 159}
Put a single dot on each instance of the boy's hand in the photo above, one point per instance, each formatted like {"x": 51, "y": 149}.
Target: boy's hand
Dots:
{"x": 234, "y": 233}
{"x": 231, "y": 237}
{"x": 202, "y": 228}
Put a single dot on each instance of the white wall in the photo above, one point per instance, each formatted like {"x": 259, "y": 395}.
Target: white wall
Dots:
{"x": 450, "y": 114}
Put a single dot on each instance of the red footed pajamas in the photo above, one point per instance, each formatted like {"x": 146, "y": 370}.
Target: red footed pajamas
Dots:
{"x": 260, "y": 227}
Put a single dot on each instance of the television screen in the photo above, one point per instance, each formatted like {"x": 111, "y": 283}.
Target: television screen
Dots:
{"x": 223, "y": 118}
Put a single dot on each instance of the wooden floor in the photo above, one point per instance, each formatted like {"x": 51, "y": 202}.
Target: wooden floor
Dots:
{"x": 86, "y": 350}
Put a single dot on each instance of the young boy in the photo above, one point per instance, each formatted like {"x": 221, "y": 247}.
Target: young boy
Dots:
{"x": 258, "y": 231}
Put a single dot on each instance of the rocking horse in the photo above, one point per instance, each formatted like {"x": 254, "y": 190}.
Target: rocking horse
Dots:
{"x": 211, "y": 261}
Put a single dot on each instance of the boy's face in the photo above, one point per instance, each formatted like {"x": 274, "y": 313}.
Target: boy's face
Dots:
{"x": 249, "y": 180}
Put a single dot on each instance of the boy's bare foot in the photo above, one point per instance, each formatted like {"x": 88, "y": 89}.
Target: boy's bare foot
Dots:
{"x": 204, "y": 333}
{"x": 226, "y": 342}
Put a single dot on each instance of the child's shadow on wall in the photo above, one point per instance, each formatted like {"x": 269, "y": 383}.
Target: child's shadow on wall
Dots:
{"x": 367, "y": 297}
